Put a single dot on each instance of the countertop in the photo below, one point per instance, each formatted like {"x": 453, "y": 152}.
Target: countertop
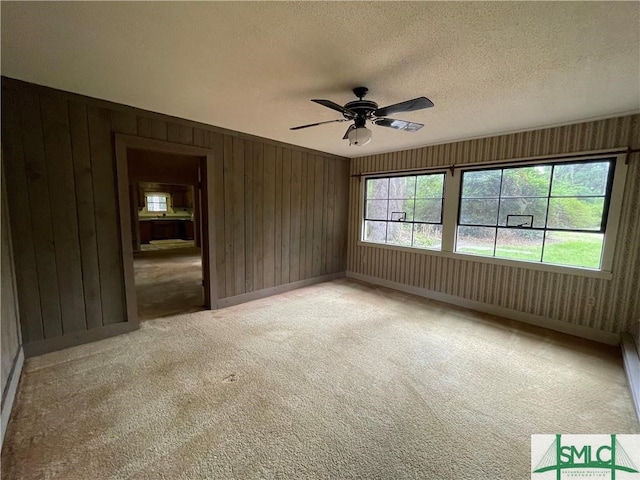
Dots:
{"x": 163, "y": 219}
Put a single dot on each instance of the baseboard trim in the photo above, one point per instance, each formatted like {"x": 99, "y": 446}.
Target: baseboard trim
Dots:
{"x": 9, "y": 395}
{"x": 631, "y": 360}
{"x": 572, "y": 329}
{"x": 267, "y": 292}
{"x": 40, "y": 347}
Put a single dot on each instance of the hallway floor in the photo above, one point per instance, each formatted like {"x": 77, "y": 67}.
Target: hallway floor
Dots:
{"x": 168, "y": 282}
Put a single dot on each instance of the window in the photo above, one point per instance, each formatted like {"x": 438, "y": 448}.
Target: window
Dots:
{"x": 405, "y": 211}
{"x": 551, "y": 213}
{"x": 156, "y": 202}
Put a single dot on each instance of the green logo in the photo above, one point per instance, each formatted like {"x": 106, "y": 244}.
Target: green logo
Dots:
{"x": 584, "y": 454}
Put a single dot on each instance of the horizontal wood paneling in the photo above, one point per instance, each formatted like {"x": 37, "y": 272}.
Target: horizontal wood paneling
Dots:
{"x": 552, "y": 295}
{"x": 279, "y": 213}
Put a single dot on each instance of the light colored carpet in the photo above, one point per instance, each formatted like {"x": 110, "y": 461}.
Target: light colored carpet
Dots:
{"x": 336, "y": 381}
{"x": 168, "y": 282}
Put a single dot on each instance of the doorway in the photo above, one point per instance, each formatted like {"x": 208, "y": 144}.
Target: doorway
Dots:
{"x": 167, "y": 258}
{"x": 163, "y": 201}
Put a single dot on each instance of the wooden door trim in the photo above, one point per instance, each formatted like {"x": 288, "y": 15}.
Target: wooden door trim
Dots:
{"x": 124, "y": 142}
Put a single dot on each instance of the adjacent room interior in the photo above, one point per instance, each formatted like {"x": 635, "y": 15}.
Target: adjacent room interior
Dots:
{"x": 165, "y": 232}
{"x": 274, "y": 240}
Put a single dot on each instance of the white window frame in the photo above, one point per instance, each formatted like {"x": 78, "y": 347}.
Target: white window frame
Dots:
{"x": 452, "y": 188}
{"x": 156, "y": 194}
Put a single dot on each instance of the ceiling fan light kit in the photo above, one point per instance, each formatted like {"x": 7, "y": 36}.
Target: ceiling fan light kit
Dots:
{"x": 359, "y": 111}
{"x": 359, "y": 136}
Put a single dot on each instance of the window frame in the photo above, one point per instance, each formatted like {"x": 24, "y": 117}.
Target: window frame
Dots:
{"x": 156, "y": 194}
{"x": 451, "y": 203}
{"x": 412, "y": 222}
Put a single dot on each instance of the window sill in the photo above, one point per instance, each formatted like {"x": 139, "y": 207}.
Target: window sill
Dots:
{"x": 545, "y": 267}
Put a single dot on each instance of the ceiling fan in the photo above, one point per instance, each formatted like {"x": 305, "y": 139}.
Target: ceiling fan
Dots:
{"x": 360, "y": 111}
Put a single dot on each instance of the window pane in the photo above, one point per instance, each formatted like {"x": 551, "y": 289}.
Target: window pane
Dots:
{"x": 519, "y": 244}
{"x": 378, "y": 188}
{"x": 573, "y": 249}
{"x": 430, "y": 186}
{"x": 399, "y": 207}
{"x": 429, "y": 210}
{"x": 481, "y": 184}
{"x": 399, "y": 233}
{"x": 580, "y": 179}
{"x": 526, "y": 181}
{"x": 376, "y": 209}
{"x": 375, "y": 232}
{"x": 479, "y": 211}
{"x": 476, "y": 240}
{"x": 523, "y": 206}
{"x": 427, "y": 236}
{"x": 402, "y": 187}
{"x": 575, "y": 213}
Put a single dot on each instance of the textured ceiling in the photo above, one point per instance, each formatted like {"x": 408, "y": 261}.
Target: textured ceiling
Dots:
{"x": 489, "y": 67}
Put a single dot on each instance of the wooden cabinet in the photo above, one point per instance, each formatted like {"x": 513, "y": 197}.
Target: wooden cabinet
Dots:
{"x": 188, "y": 230}
{"x": 145, "y": 232}
{"x": 165, "y": 230}
{"x": 179, "y": 199}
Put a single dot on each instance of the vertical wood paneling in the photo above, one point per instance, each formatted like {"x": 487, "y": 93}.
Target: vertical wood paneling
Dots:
{"x": 158, "y": 129}
{"x": 248, "y": 216}
{"x": 22, "y": 238}
{"x": 330, "y": 185}
{"x": 124, "y": 122}
{"x": 286, "y": 215}
{"x": 316, "y": 269}
{"x": 217, "y": 145}
{"x": 108, "y": 238}
{"x": 296, "y": 208}
{"x": 258, "y": 209}
{"x": 62, "y": 192}
{"x": 278, "y": 218}
{"x": 179, "y": 134}
{"x": 41, "y": 224}
{"x": 229, "y": 216}
{"x": 268, "y": 221}
{"x": 86, "y": 213}
{"x": 279, "y": 213}
{"x": 303, "y": 215}
{"x": 238, "y": 215}
{"x": 310, "y": 192}
{"x": 558, "y": 296}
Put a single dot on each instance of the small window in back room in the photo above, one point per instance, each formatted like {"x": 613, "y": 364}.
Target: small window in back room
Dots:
{"x": 156, "y": 202}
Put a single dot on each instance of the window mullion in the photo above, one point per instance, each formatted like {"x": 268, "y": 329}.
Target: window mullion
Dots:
{"x": 450, "y": 210}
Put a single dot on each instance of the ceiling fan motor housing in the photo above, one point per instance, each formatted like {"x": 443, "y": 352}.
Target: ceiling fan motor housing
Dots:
{"x": 363, "y": 108}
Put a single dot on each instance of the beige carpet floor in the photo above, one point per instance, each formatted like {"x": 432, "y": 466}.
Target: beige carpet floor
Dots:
{"x": 336, "y": 381}
{"x": 168, "y": 282}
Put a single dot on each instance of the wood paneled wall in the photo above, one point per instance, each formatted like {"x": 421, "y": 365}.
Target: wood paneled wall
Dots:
{"x": 280, "y": 212}
{"x": 9, "y": 315}
{"x": 551, "y": 295}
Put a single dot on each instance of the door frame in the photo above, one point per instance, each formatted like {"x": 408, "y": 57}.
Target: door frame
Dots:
{"x": 124, "y": 142}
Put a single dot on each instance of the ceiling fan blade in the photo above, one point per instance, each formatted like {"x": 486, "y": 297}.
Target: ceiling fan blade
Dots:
{"x": 319, "y": 123}
{"x": 398, "y": 124}
{"x": 346, "y": 134}
{"x": 408, "y": 106}
{"x": 335, "y": 106}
